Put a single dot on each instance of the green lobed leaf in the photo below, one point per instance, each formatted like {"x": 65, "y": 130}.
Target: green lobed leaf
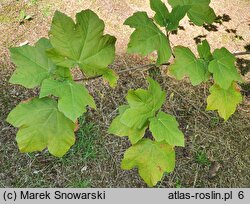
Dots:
{"x": 165, "y": 19}
{"x": 136, "y": 117}
{"x": 164, "y": 127}
{"x": 147, "y": 37}
{"x": 204, "y": 51}
{"x": 223, "y": 68}
{"x": 120, "y": 129}
{"x": 33, "y": 65}
{"x": 175, "y": 17}
{"x": 199, "y": 13}
{"x": 162, "y": 13}
{"x": 110, "y": 76}
{"x": 143, "y": 105}
{"x": 42, "y": 125}
{"x": 151, "y": 158}
{"x": 225, "y": 101}
{"x": 73, "y": 97}
{"x": 82, "y": 44}
{"x": 186, "y": 64}
{"x": 157, "y": 96}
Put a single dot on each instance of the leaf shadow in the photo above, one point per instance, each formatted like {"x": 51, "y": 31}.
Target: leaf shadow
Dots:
{"x": 243, "y": 65}
{"x": 199, "y": 38}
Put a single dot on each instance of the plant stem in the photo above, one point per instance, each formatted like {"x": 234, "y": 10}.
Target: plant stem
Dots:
{"x": 241, "y": 53}
{"x": 148, "y": 66}
{"x": 168, "y": 35}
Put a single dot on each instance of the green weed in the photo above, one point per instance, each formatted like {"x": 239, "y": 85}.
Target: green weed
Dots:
{"x": 201, "y": 158}
{"x": 86, "y": 137}
{"x": 178, "y": 184}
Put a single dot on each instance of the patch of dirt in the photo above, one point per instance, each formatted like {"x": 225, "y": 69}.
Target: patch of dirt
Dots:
{"x": 225, "y": 143}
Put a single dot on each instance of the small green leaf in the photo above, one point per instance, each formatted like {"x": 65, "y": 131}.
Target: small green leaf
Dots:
{"x": 143, "y": 105}
{"x": 147, "y": 37}
{"x": 151, "y": 158}
{"x": 138, "y": 98}
{"x": 199, "y": 13}
{"x": 204, "y": 51}
{"x": 165, "y": 19}
{"x": 162, "y": 13}
{"x": 223, "y": 68}
{"x": 186, "y": 64}
{"x": 73, "y": 97}
{"x": 164, "y": 127}
{"x": 110, "y": 76}
{"x": 136, "y": 117}
{"x": 22, "y": 15}
{"x": 28, "y": 17}
{"x": 82, "y": 44}
{"x": 175, "y": 17}
{"x": 157, "y": 96}
{"x": 33, "y": 65}
{"x": 225, "y": 101}
{"x": 122, "y": 130}
{"x": 41, "y": 125}
{"x": 119, "y": 129}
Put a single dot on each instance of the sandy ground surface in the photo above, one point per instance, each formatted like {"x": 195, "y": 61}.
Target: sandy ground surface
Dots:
{"x": 226, "y": 145}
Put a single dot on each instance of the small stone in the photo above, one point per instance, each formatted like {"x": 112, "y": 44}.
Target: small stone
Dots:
{"x": 84, "y": 169}
{"x": 215, "y": 166}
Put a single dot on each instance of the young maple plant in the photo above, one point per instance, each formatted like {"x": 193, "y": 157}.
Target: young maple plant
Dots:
{"x": 49, "y": 120}
{"x": 155, "y": 157}
{"x": 152, "y": 157}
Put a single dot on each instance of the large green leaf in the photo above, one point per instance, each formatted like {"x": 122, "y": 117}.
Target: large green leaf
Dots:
{"x": 143, "y": 105}
{"x": 41, "y": 125}
{"x": 147, "y": 37}
{"x": 186, "y": 64}
{"x": 164, "y": 127}
{"x": 225, "y": 101}
{"x": 33, "y": 65}
{"x": 223, "y": 68}
{"x": 73, "y": 97}
{"x": 81, "y": 44}
{"x": 152, "y": 159}
{"x": 120, "y": 129}
{"x": 199, "y": 13}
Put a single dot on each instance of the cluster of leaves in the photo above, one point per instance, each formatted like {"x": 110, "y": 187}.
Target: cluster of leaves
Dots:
{"x": 50, "y": 119}
{"x": 152, "y": 157}
{"x": 148, "y": 37}
{"x": 224, "y": 95}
